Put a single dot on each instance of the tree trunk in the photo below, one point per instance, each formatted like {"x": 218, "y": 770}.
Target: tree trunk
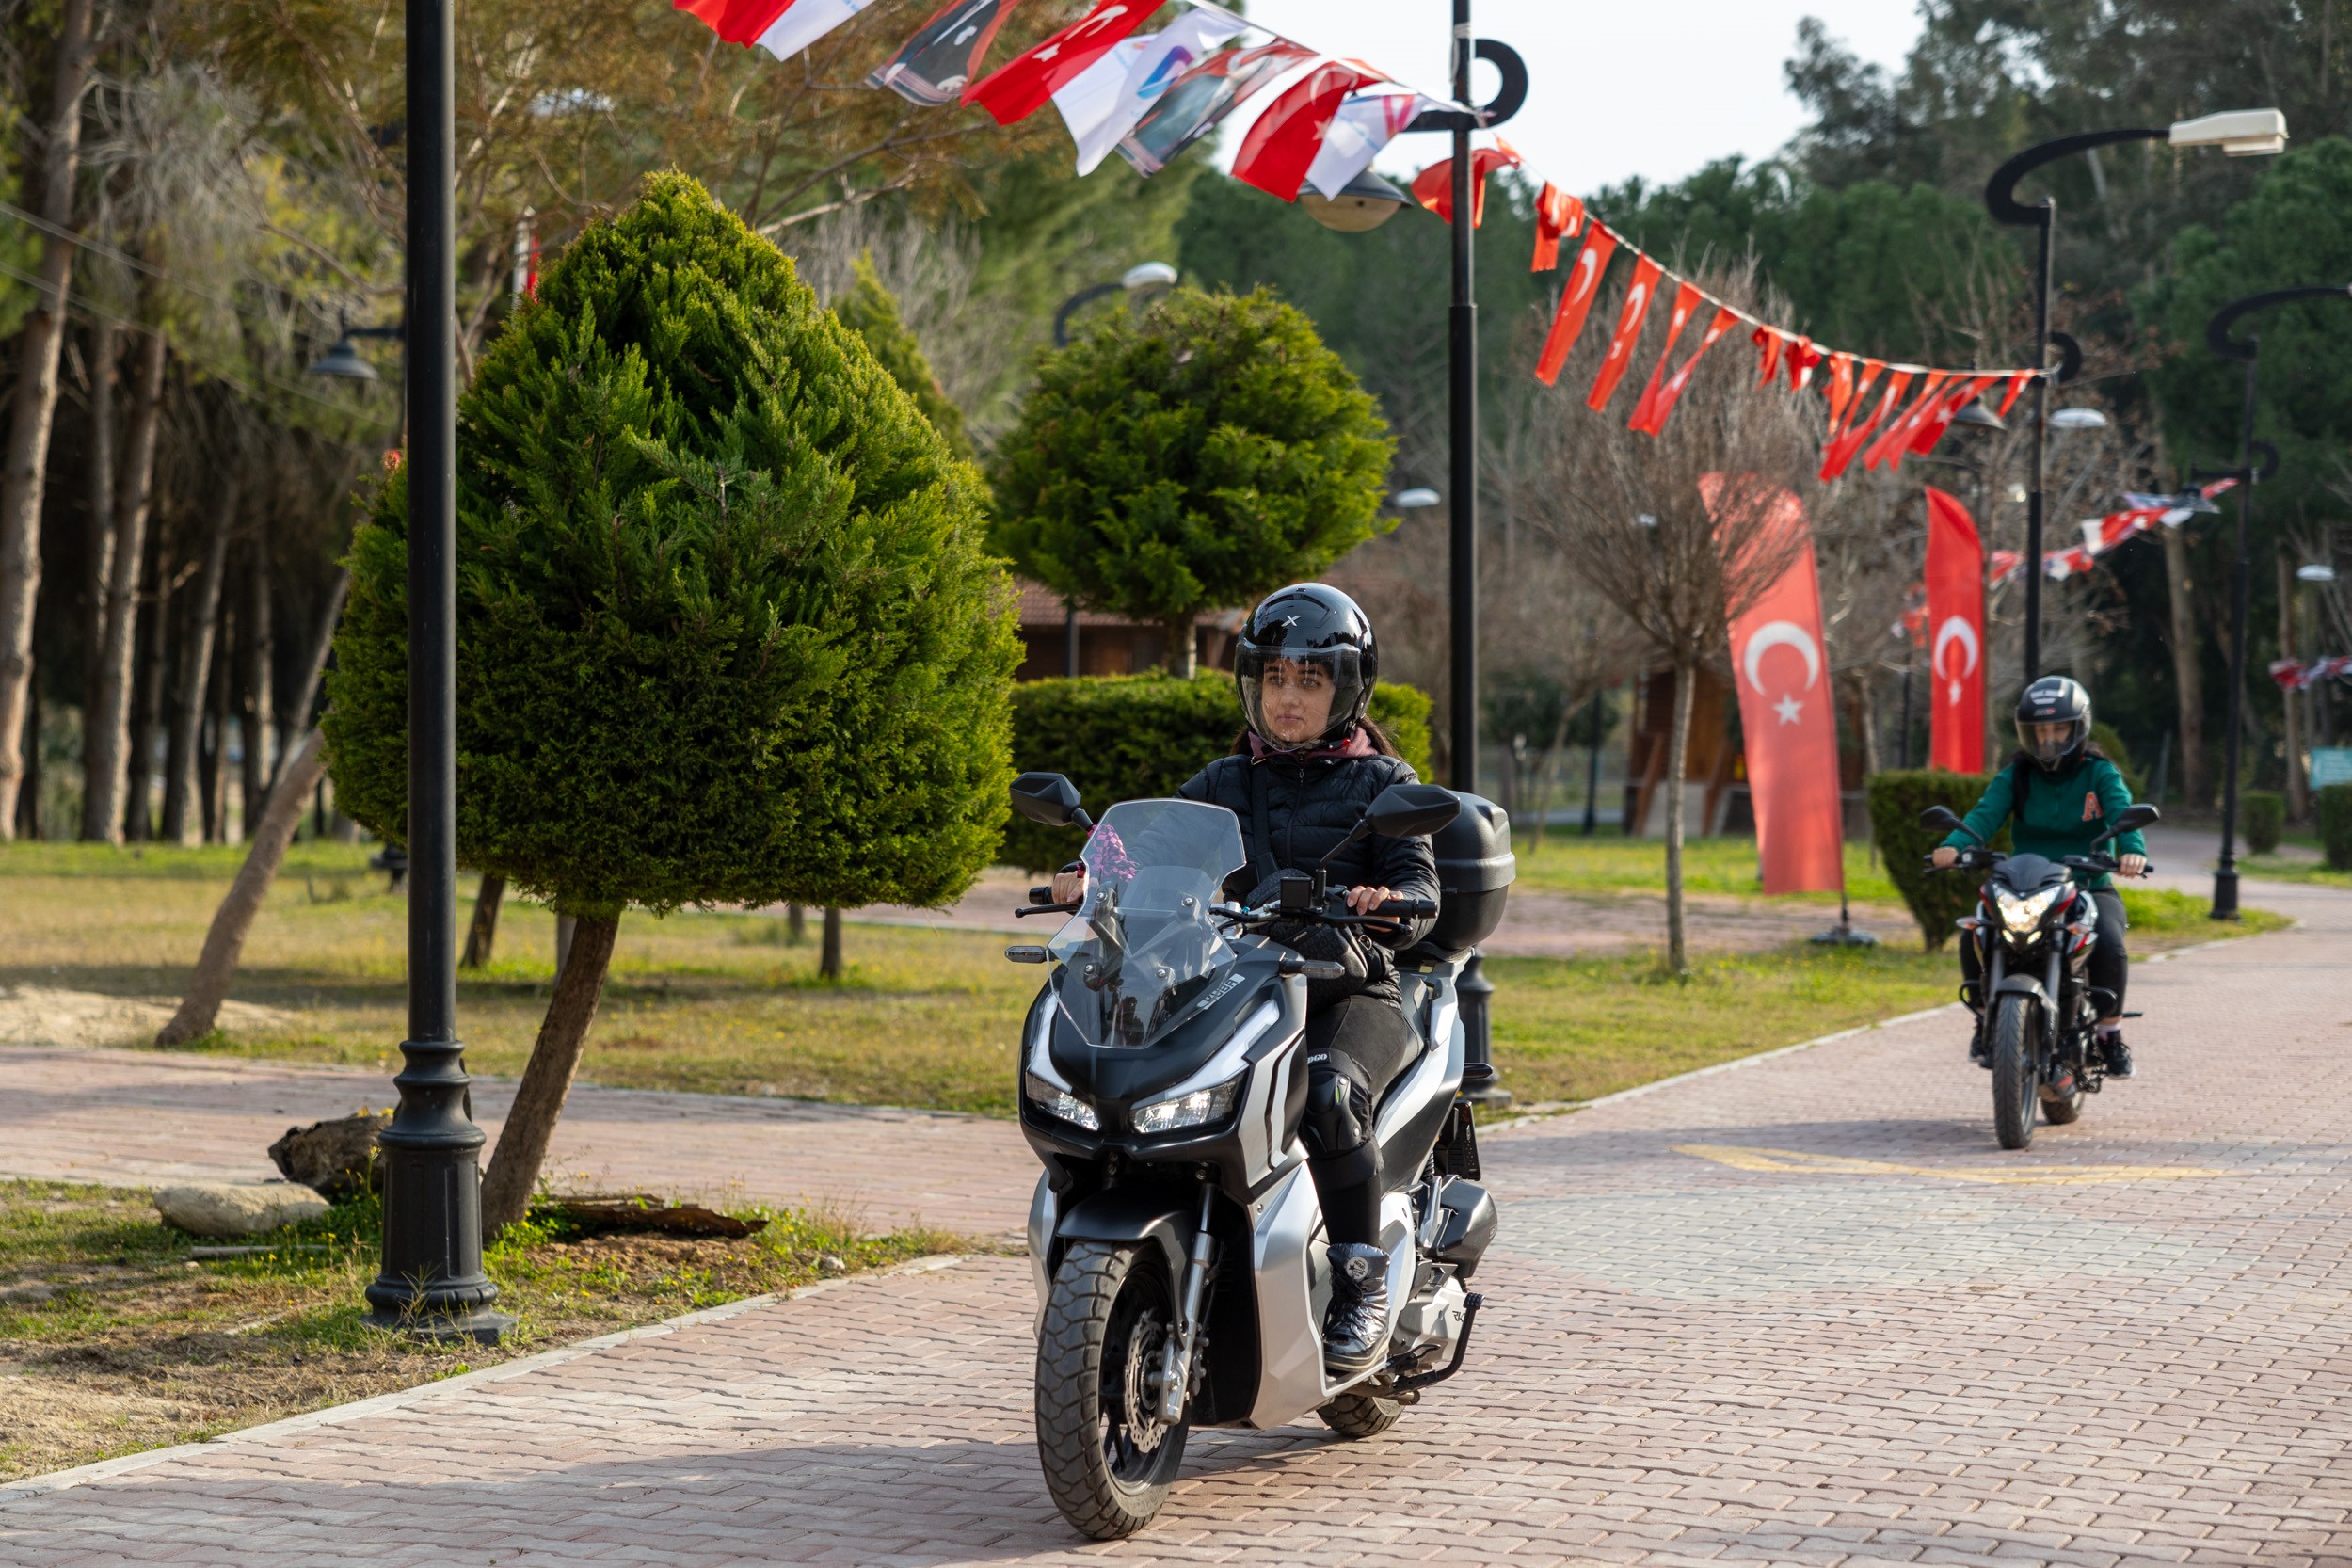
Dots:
{"x": 1548, "y": 781}
{"x": 1183, "y": 651}
{"x": 219, "y": 690}
{"x": 225, "y": 942}
{"x": 514, "y": 1170}
{"x": 2298, "y": 799}
{"x": 322, "y": 645}
{"x": 796, "y": 924}
{"x": 139, "y": 783}
{"x": 483, "y": 932}
{"x": 829, "y": 956}
{"x": 257, "y": 721}
{"x": 1866, "y": 721}
{"x": 98, "y": 574}
{"x": 565, "y": 927}
{"x": 106, "y": 741}
{"x": 1678, "y": 761}
{"x": 23, "y": 479}
{"x": 28, "y": 799}
{"x": 196, "y": 663}
{"x": 2189, "y": 683}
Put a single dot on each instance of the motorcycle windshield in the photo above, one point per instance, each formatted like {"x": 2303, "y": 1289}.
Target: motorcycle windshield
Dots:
{"x": 1141, "y": 947}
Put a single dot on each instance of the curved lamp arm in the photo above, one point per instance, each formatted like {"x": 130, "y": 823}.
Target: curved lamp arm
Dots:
{"x": 2217, "y": 336}
{"x": 1508, "y": 99}
{"x": 2001, "y": 190}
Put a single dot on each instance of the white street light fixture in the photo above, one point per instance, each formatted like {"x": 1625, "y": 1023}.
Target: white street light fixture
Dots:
{"x": 2239, "y": 132}
{"x": 1364, "y": 203}
{"x": 2078, "y": 418}
{"x": 1148, "y": 275}
{"x": 1414, "y": 500}
{"x": 344, "y": 360}
{"x": 2315, "y": 571}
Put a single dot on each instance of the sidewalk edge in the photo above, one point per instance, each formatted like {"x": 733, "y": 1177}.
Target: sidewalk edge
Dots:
{"x": 16, "y": 1491}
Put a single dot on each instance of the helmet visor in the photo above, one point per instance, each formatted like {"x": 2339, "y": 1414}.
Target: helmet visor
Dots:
{"x": 2050, "y": 742}
{"x": 1297, "y": 698}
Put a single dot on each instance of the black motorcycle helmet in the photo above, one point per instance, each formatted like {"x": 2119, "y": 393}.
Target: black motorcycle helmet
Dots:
{"x": 1313, "y": 625}
{"x": 2054, "y": 722}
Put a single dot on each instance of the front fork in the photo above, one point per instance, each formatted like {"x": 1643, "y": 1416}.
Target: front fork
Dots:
{"x": 1178, "y": 1361}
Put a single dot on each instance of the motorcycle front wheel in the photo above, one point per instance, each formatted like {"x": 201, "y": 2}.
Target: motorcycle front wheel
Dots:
{"x": 1107, "y": 1456}
{"x": 2016, "y": 1095}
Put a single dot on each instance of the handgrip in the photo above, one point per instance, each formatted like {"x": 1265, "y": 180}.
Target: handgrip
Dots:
{"x": 1408, "y": 906}
{"x": 1047, "y": 909}
{"x": 1315, "y": 969}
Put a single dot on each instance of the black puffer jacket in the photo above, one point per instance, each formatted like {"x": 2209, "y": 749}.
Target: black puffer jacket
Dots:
{"x": 1311, "y": 805}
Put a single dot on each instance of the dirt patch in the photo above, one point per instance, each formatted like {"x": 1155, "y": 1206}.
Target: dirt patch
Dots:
{"x": 38, "y": 1016}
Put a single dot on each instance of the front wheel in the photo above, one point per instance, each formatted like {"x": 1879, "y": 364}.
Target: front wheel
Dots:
{"x": 2015, "y": 1093}
{"x": 1107, "y": 1456}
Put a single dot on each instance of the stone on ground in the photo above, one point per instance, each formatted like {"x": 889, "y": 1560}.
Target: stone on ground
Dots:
{"x": 335, "y": 1159}
{"x": 237, "y": 1208}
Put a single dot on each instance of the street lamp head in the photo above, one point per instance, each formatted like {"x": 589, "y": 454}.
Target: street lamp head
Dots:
{"x": 2078, "y": 418}
{"x": 2315, "y": 571}
{"x": 1148, "y": 275}
{"x": 1414, "y": 500}
{"x": 1978, "y": 417}
{"x": 1362, "y": 205}
{"x": 2239, "y": 132}
{"x": 344, "y": 360}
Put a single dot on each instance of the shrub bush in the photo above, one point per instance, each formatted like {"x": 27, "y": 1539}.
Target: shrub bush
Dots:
{"x": 1896, "y": 798}
{"x": 2335, "y": 824}
{"x": 2106, "y": 740}
{"x": 1133, "y": 737}
{"x": 2265, "y": 814}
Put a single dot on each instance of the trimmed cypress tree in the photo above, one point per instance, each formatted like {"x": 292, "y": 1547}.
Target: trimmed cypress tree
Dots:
{"x": 727, "y": 630}
{"x": 871, "y": 312}
{"x": 1199, "y": 458}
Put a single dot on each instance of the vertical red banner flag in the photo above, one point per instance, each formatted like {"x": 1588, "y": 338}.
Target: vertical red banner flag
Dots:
{"x": 1956, "y": 636}
{"x": 1780, "y": 663}
{"x": 1557, "y": 217}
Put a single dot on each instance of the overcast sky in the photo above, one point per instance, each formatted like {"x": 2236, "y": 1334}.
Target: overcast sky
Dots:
{"x": 1654, "y": 88}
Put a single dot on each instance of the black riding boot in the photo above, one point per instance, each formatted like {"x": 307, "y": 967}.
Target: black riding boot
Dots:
{"x": 1355, "y": 1329}
{"x": 2119, "y": 1055}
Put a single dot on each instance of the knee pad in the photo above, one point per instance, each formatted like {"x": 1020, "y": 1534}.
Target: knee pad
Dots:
{"x": 1336, "y": 1122}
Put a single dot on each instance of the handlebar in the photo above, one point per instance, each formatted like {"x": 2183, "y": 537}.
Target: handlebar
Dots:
{"x": 1980, "y": 859}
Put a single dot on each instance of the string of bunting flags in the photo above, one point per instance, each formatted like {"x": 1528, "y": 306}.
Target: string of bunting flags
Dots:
{"x": 1148, "y": 97}
{"x": 2293, "y": 676}
{"x": 2101, "y": 534}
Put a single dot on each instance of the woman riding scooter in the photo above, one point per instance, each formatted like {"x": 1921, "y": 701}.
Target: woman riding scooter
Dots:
{"x": 2061, "y": 792}
{"x": 1299, "y": 778}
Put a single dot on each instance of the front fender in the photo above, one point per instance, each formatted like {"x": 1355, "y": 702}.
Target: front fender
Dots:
{"x": 1125, "y": 1215}
{"x": 2023, "y": 984}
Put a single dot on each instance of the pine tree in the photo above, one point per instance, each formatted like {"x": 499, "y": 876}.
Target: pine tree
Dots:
{"x": 727, "y": 632}
{"x": 872, "y": 312}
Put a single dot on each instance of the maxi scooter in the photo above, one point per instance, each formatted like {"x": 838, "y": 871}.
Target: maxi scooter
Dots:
{"x": 1176, "y": 1236}
{"x": 2036, "y": 929}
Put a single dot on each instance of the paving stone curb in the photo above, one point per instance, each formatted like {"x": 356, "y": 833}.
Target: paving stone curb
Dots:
{"x": 59, "y": 1480}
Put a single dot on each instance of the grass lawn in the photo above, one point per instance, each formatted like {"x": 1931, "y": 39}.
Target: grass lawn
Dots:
{"x": 112, "y": 1340}
{"x": 718, "y": 1003}
{"x": 1610, "y": 863}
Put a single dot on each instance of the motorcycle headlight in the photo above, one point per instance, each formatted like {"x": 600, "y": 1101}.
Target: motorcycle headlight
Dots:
{"x": 1197, "y": 1108}
{"x": 1060, "y": 1103}
{"x": 2020, "y": 914}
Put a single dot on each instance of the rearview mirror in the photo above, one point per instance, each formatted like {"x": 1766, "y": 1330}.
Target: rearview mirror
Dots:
{"x": 1410, "y": 811}
{"x": 2133, "y": 818}
{"x": 1047, "y": 798}
{"x": 1938, "y": 816}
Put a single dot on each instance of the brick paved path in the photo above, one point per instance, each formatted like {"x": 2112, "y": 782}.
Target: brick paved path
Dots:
{"x": 1804, "y": 1312}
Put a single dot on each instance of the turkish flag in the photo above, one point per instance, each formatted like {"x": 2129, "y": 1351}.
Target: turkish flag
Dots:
{"x": 1769, "y": 339}
{"x": 1687, "y": 298}
{"x": 1433, "y": 188}
{"x": 1850, "y": 440}
{"x": 1282, "y": 144}
{"x": 2017, "y": 384}
{"x": 1576, "y": 301}
{"x": 1780, "y": 663}
{"x": 1956, "y": 398}
{"x": 932, "y": 66}
{"x": 1621, "y": 344}
{"x": 736, "y": 21}
{"x": 1896, "y": 439}
{"x": 1802, "y": 356}
{"x": 1956, "y": 638}
{"x": 1024, "y": 83}
{"x": 1663, "y": 400}
{"x": 1557, "y": 217}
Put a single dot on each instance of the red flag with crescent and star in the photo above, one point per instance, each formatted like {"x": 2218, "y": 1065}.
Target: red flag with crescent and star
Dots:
{"x": 1779, "y": 661}
{"x": 1956, "y": 636}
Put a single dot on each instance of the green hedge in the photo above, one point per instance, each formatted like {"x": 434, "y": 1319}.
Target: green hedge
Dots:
{"x": 2105, "y": 737}
{"x": 1896, "y": 798}
{"x": 2335, "y": 824}
{"x": 2265, "y": 814}
{"x": 1133, "y": 737}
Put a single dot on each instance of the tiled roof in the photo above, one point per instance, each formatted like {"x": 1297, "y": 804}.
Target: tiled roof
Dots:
{"x": 1041, "y": 607}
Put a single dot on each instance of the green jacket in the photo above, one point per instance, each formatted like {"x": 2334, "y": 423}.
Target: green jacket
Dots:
{"x": 2062, "y": 813}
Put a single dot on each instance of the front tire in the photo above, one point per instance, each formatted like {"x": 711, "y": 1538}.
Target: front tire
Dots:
{"x": 1108, "y": 1459}
{"x": 1357, "y": 1415}
{"x": 2015, "y": 1092}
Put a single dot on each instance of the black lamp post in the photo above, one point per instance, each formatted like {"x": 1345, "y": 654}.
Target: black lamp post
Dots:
{"x": 1143, "y": 277}
{"x": 2218, "y": 338}
{"x": 2238, "y": 133}
{"x": 432, "y": 1280}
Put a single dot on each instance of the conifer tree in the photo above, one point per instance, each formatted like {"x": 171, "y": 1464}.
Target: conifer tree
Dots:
{"x": 871, "y": 312}
{"x": 728, "y": 633}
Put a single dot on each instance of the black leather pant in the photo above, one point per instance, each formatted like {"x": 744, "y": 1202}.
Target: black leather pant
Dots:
{"x": 2110, "y": 966}
{"x": 1356, "y": 1047}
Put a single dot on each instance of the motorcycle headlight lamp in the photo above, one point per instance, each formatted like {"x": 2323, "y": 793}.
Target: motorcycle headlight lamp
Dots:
{"x": 1060, "y": 1103}
{"x": 1197, "y": 1108}
{"x": 2022, "y": 913}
